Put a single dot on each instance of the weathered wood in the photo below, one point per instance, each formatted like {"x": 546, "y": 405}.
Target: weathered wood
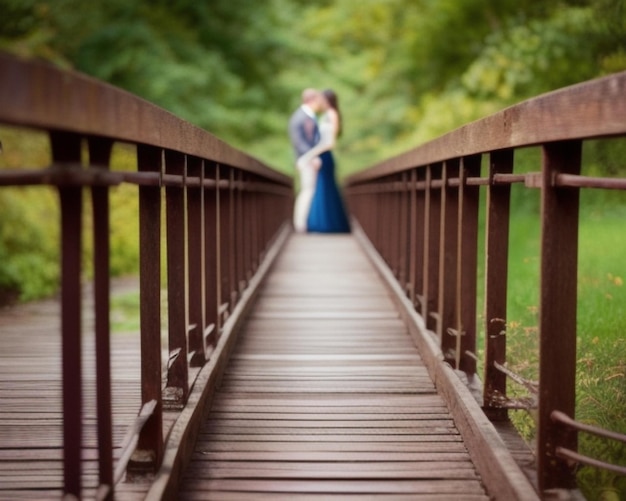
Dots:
{"x": 66, "y": 148}
{"x": 150, "y": 447}
{"x": 31, "y": 438}
{"x": 319, "y": 404}
{"x": 587, "y": 110}
{"x": 496, "y": 280}
{"x": 500, "y": 473}
{"x": 111, "y": 112}
{"x": 325, "y": 393}
{"x": 559, "y": 274}
{"x": 182, "y": 438}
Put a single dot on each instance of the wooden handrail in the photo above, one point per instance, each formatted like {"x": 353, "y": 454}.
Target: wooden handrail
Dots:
{"x": 420, "y": 210}
{"x": 593, "y": 109}
{"x": 223, "y": 209}
{"x": 44, "y": 97}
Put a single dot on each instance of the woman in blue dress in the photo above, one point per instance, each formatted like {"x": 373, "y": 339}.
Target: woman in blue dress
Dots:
{"x": 327, "y": 213}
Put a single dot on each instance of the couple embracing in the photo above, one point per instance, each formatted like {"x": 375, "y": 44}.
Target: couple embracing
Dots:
{"x": 313, "y": 129}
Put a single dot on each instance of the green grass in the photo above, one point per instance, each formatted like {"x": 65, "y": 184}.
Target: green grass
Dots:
{"x": 601, "y": 321}
{"x": 125, "y": 312}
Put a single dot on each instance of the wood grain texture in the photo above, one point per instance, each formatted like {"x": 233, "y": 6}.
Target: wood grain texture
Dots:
{"x": 591, "y": 109}
{"x": 75, "y": 102}
{"x": 325, "y": 394}
{"x": 31, "y": 435}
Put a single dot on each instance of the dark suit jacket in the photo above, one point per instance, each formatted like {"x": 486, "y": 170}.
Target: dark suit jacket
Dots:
{"x": 303, "y": 132}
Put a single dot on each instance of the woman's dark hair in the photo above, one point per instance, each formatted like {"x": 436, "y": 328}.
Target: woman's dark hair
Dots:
{"x": 333, "y": 100}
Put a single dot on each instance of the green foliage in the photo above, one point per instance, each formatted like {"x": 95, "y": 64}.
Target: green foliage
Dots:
{"x": 601, "y": 347}
{"x": 125, "y": 312}
{"x": 28, "y": 233}
{"x": 406, "y": 71}
{"x": 28, "y": 252}
{"x": 29, "y": 226}
{"x": 511, "y": 61}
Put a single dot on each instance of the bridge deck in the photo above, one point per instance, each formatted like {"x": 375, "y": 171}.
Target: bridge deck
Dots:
{"x": 326, "y": 394}
{"x": 31, "y": 437}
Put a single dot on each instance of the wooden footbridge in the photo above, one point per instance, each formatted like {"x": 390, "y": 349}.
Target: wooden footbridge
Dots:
{"x": 278, "y": 365}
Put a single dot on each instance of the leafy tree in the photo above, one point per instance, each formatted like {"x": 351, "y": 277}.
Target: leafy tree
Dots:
{"x": 405, "y": 70}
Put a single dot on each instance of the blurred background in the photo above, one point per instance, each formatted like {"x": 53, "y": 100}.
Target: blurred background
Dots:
{"x": 405, "y": 70}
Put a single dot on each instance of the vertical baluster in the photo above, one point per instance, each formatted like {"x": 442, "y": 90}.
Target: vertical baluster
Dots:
{"x": 448, "y": 278}
{"x": 196, "y": 251}
{"x": 66, "y": 149}
{"x": 211, "y": 257}
{"x": 467, "y": 266}
{"x": 496, "y": 278}
{"x": 232, "y": 241}
{"x": 390, "y": 225}
{"x": 414, "y": 235}
{"x": 378, "y": 216}
{"x": 432, "y": 222}
{"x": 99, "y": 156}
{"x": 177, "y": 388}
{"x": 372, "y": 210}
{"x": 253, "y": 214}
{"x": 403, "y": 247}
{"x": 394, "y": 206}
{"x": 149, "y": 450}
{"x": 261, "y": 221}
{"x": 225, "y": 255}
{"x": 241, "y": 224}
{"x": 367, "y": 207}
{"x": 557, "y": 311}
{"x": 417, "y": 252}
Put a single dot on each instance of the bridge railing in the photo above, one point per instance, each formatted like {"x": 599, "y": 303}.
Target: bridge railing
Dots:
{"x": 421, "y": 211}
{"x": 222, "y": 210}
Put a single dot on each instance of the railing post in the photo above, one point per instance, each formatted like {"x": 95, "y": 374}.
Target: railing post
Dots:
{"x": 557, "y": 312}
{"x": 469, "y": 197}
{"x": 241, "y": 227}
{"x": 496, "y": 278}
{"x": 233, "y": 295}
{"x": 405, "y": 231}
{"x": 99, "y": 156}
{"x": 418, "y": 234}
{"x": 383, "y": 224}
{"x": 414, "y": 232}
{"x": 177, "y": 388}
{"x": 448, "y": 273}
{"x": 196, "y": 251}
{"x": 394, "y": 205}
{"x": 224, "y": 242}
{"x": 149, "y": 451}
{"x": 432, "y": 229}
{"x": 66, "y": 149}
{"x": 254, "y": 214}
{"x": 211, "y": 258}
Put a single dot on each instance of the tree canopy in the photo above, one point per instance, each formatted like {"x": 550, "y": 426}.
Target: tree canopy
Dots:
{"x": 405, "y": 70}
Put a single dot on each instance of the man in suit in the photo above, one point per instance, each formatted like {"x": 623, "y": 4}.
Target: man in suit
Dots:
{"x": 304, "y": 134}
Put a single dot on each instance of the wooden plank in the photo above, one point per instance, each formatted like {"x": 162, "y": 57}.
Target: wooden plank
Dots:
{"x": 324, "y": 445}
{"x": 327, "y": 496}
{"x": 334, "y": 456}
{"x": 447, "y": 487}
{"x": 326, "y": 394}
{"x": 502, "y": 476}
{"x": 31, "y": 416}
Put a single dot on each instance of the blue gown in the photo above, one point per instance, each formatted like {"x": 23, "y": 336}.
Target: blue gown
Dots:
{"x": 327, "y": 213}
